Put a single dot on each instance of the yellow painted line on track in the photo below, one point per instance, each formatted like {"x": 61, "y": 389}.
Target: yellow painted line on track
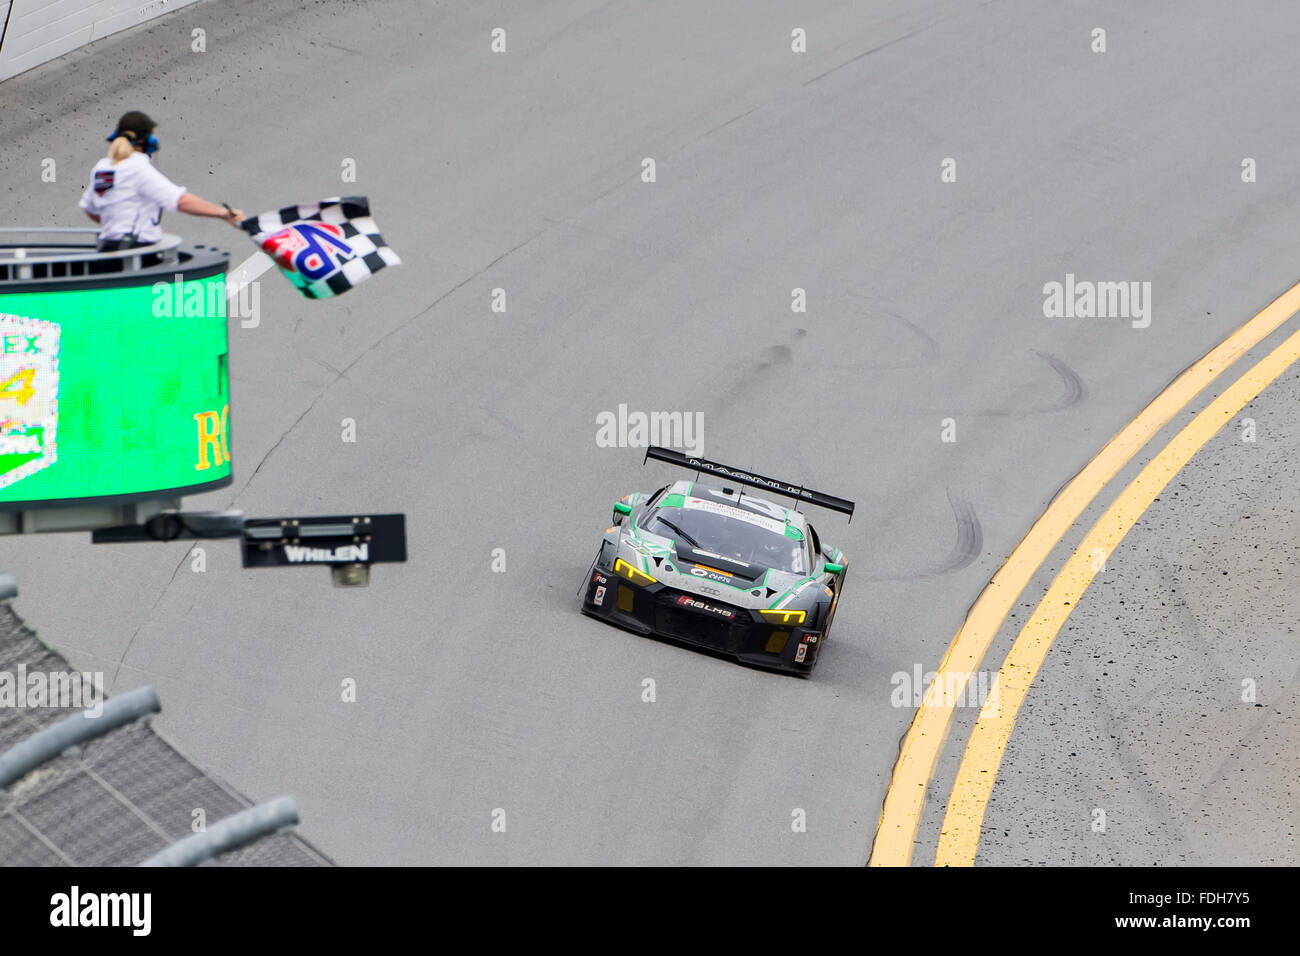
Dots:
{"x": 959, "y": 838}
{"x": 919, "y": 752}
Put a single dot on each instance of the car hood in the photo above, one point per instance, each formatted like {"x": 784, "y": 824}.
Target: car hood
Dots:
{"x": 714, "y": 576}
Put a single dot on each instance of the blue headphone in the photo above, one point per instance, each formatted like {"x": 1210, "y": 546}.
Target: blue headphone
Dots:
{"x": 150, "y": 144}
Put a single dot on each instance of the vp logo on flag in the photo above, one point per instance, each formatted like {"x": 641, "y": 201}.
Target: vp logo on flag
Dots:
{"x": 323, "y": 248}
{"x": 314, "y": 249}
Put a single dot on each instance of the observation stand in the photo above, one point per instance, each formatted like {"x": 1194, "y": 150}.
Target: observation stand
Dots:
{"x": 115, "y": 403}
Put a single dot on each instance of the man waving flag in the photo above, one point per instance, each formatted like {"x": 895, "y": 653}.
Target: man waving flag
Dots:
{"x": 323, "y": 248}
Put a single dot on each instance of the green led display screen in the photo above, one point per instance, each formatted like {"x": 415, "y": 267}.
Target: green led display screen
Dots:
{"x": 113, "y": 392}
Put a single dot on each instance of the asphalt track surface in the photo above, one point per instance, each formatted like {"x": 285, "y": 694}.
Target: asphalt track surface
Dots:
{"x": 480, "y": 691}
{"x": 1171, "y": 702}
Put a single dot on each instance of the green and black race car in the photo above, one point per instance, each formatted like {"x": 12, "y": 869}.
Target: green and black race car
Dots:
{"x": 717, "y": 567}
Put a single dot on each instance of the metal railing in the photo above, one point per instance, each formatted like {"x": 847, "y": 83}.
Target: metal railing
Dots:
{"x": 57, "y": 252}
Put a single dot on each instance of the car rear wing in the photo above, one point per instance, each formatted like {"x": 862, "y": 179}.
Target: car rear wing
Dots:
{"x": 798, "y": 492}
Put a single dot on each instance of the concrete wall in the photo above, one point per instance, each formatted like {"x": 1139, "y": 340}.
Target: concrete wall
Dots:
{"x": 36, "y": 31}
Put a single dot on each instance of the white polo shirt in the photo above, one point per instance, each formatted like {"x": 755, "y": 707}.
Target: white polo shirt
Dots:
{"x": 129, "y": 197}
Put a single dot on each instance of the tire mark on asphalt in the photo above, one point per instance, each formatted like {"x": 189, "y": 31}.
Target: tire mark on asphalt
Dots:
{"x": 938, "y": 21}
{"x": 759, "y": 372}
{"x": 1075, "y": 389}
{"x": 968, "y": 546}
{"x": 969, "y": 543}
{"x": 932, "y": 349}
{"x": 872, "y": 308}
{"x": 1075, "y": 392}
{"x": 874, "y": 49}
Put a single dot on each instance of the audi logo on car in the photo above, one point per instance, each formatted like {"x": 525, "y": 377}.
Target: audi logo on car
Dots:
{"x": 696, "y": 605}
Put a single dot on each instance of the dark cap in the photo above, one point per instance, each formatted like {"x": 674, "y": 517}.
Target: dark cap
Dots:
{"x": 136, "y": 123}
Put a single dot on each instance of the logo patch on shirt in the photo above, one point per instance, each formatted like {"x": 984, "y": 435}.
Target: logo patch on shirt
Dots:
{"x": 103, "y": 181}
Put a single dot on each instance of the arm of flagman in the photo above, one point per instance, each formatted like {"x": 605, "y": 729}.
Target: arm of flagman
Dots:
{"x": 194, "y": 206}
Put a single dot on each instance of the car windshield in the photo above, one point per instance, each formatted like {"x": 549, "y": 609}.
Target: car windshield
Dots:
{"x": 732, "y": 533}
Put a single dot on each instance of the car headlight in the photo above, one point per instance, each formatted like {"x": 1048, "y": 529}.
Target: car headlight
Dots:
{"x": 634, "y": 575}
{"x": 783, "y": 617}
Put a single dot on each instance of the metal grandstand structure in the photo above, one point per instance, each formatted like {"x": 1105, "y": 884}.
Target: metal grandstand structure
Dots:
{"x": 121, "y": 798}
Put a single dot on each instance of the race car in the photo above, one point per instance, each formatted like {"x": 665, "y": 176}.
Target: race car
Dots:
{"x": 718, "y": 567}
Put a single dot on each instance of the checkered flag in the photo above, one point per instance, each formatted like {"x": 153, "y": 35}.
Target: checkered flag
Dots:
{"x": 323, "y": 248}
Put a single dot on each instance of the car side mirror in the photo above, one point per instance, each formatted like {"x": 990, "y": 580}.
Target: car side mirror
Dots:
{"x": 832, "y": 568}
{"x": 621, "y": 508}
